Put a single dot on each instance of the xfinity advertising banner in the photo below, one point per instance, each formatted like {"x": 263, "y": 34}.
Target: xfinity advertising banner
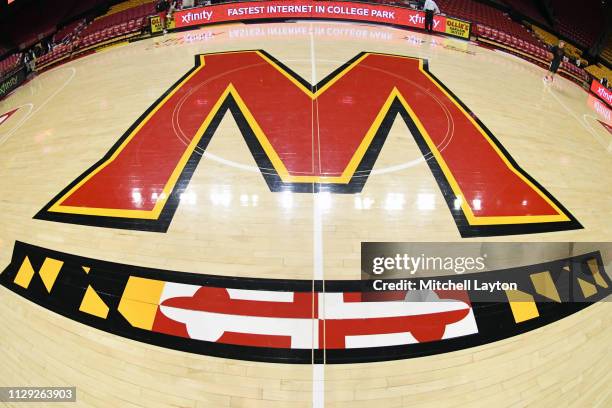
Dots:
{"x": 10, "y": 82}
{"x": 318, "y": 9}
{"x": 604, "y": 114}
{"x": 604, "y": 93}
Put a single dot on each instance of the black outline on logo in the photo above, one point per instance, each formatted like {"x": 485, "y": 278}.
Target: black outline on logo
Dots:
{"x": 276, "y": 184}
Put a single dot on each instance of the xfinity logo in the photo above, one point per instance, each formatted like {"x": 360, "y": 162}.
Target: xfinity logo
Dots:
{"x": 603, "y": 92}
{"x": 202, "y": 15}
{"x": 418, "y": 19}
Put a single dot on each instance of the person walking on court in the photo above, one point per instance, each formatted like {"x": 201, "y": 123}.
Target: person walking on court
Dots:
{"x": 558, "y": 54}
{"x": 430, "y": 7}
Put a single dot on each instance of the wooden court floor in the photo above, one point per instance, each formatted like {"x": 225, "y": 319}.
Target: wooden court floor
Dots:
{"x": 237, "y": 217}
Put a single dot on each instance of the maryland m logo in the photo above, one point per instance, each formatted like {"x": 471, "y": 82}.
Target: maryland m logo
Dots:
{"x": 308, "y": 138}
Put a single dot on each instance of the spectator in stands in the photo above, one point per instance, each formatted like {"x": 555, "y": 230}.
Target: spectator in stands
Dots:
{"x": 430, "y": 7}
{"x": 29, "y": 59}
{"x": 169, "y": 16}
{"x": 38, "y": 50}
{"x": 604, "y": 81}
{"x": 162, "y": 7}
{"x": 558, "y": 54}
{"x": 171, "y": 10}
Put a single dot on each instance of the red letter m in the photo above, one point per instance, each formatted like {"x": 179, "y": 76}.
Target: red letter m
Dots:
{"x": 307, "y": 139}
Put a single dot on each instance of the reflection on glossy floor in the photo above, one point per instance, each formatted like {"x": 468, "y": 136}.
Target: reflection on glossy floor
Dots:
{"x": 238, "y": 214}
{"x": 227, "y": 220}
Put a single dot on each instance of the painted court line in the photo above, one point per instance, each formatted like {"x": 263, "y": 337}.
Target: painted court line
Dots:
{"x": 318, "y": 370}
{"x": 31, "y": 113}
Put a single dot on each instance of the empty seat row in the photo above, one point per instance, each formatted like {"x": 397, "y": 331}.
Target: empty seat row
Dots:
{"x": 599, "y": 71}
{"x": 479, "y": 13}
{"x": 57, "y": 53}
{"x": 111, "y": 32}
{"x": 495, "y": 35}
{"x": 79, "y": 35}
{"x": 116, "y": 25}
{"x": 68, "y": 32}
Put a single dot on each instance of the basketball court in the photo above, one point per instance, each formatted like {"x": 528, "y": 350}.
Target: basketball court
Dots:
{"x": 234, "y": 157}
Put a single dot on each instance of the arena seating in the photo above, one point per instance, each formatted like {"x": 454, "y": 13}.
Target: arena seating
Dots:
{"x": 489, "y": 24}
{"x": 545, "y": 36}
{"x": 600, "y": 71}
{"x": 58, "y": 53}
{"x": 488, "y": 16}
{"x": 532, "y": 48}
{"x": 493, "y": 26}
{"x": 116, "y": 25}
{"x": 68, "y": 32}
{"x": 3, "y": 52}
{"x": 31, "y": 24}
{"x": 551, "y": 39}
{"x": 571, "y": 68}
{"x": 528, "y": 9}
{"x": 579, "y": 21}
{"x": 606, "y": 54}
{"x": 63, "y": 44}
{"x": 10, "y": 63}
{"x": 81, "y": 7}
{"x": 117, "y": 8}
{"x": 27, "y": 29}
